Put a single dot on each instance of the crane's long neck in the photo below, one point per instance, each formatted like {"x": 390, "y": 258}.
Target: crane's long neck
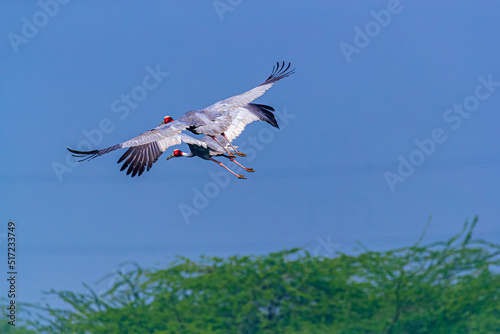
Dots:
{"x": 188, "y": 155}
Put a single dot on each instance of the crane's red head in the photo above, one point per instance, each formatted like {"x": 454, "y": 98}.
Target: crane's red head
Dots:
{"x": 176, "y": 153}
{"x": 167, "y": 119}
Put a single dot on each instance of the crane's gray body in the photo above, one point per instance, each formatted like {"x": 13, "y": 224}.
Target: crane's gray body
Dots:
{"x": 213, "y": 148}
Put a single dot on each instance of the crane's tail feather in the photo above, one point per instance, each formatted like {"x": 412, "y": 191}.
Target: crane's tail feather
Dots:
{"x": 89, "y": 155}
{"x": 264, "y": 113}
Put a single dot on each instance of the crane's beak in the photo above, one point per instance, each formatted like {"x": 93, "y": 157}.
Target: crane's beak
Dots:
{"x": 161, "y": 123}
{"x": 170, "y": 156}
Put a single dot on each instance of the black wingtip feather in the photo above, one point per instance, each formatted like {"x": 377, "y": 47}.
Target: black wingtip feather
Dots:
{"x": 89, "y": 155}
{"x": 139, "y": 159}
{"x": 263, "y": 112}
{"x": 279, "y": 72}
{"x": 263, "y": 106}
{"x": 126, "y": 154}
{"x": 86, "y": 155}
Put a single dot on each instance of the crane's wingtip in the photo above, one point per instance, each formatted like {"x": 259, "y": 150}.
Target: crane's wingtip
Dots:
{"x": 86, "y": 155}
{"x": 279, "y": 72}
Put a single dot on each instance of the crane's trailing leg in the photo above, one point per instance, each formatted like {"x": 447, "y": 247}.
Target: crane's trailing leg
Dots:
{"x": 245, "y": 168}
{"x": 236, "y": 162}
{"x": 239, "y": 176}
{"x": 231, "y": 154}
{"x": 234, "y": 148}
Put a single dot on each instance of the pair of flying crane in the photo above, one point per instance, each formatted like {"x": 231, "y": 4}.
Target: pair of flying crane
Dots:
{"x": 221, "y": 123}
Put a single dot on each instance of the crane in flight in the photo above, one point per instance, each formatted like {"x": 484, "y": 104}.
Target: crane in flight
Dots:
{"x": 222, "y": 121}
{"x": 213, "y": 149}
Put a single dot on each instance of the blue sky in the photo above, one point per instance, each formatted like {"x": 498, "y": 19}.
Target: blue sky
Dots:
{"x": 401, "y": 92}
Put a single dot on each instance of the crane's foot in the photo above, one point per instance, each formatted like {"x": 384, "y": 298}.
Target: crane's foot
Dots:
{"x": 241, "y": 154}
{"x": 250, "y": 170}
{"x": 231, "y": 154}
{"x": 241, "y": 177}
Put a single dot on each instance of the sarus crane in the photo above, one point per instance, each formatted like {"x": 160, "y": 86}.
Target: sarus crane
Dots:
{"x": 222, "y": 121}
{"x": 213, "y": 149}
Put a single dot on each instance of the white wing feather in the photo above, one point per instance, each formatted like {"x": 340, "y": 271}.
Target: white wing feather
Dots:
{"x": 241, "y": 118}
{"x": 279, "y": 72}
{"x": 165, "y": 131}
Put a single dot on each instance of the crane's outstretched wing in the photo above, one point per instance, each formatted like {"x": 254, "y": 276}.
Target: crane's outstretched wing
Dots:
{"x": 145, "y": 149}
{"x": 279, "y": 72}
{"x": 138, "y": 158}
{"x": 247, "y": 114}
{"x": 163, "y": 131}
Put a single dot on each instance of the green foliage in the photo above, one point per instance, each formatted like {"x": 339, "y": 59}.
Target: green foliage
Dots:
{"x": 444, "y": 287}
